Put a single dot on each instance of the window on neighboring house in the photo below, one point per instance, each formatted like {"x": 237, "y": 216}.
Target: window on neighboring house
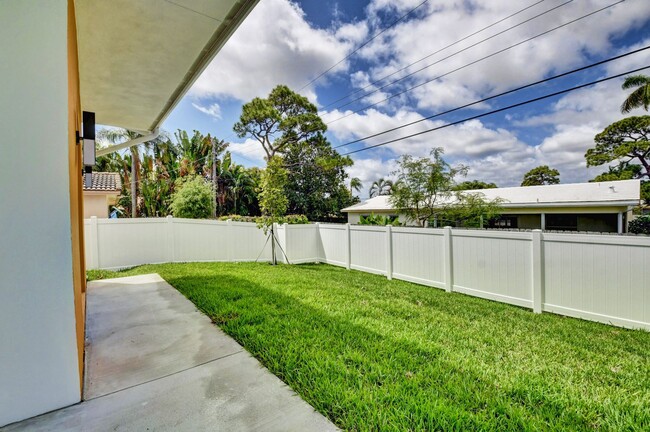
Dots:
{"x": 504, "y": 222}
{"x": 562, "y": 222}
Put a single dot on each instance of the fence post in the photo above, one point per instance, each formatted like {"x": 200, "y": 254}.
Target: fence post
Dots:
{"x": 348, "y": 244}
{"x": 538, "y": 270}
{"x": 230, "y": 239}
{"x": 171, "y": 252}
{"x": 284, "y": 244}
{"x": 317, "y": 259}
{"x": 94, "y": 243}
{"x": 449, "y": 272}
{"x": 389, "y": 252}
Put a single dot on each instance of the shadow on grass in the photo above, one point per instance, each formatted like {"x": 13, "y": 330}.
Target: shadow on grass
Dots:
{"x": 364, "y": 380}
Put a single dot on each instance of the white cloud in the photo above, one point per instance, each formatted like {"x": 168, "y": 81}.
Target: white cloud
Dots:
{"x": 213, "y": 110}
{"x": 250, "y": 151}
{"x": 274, "y": 45}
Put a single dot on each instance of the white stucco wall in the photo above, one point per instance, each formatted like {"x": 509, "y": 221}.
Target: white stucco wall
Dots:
{"x": 95, "y": 204}
{"x": 38, "y": 352}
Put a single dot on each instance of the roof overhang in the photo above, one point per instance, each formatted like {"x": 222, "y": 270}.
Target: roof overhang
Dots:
{"x": 137, "y": 59}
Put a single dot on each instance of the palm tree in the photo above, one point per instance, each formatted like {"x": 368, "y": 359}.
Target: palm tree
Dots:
{"x": 355, "y": 184}
{"x": 639, "y": 97}
{"x": 380, "y": 187}
{"x": 117, "y": 136}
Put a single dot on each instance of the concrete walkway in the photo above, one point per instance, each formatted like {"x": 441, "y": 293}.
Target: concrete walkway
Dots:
{"x": 153, "y": 362}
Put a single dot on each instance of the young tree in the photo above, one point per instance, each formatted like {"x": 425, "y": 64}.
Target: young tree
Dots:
{"x": 625, "y": 141}
{"x": 474, "y": 185}
{"x": 273, "y": 200}
{"x": 639, "y": 97}
{"x": 193, "y": 198}
{"x": 282, "y": 119}
{"x": 379, "y": 187}
{"x": 542, "y": 175}
{"x": 423, "y": 186}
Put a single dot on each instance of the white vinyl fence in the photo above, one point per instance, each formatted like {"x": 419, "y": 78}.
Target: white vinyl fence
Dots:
{"x": 602, "y": 278}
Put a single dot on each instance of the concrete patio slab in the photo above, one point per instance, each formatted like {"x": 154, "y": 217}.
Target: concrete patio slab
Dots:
{"x": 156, "y": 363}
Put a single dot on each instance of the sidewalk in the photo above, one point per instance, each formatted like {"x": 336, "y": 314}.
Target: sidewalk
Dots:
{"x": 153, "y": 362}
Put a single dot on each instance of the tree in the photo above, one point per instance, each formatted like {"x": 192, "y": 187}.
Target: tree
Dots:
{"x": 380, "y": 187}
{"x": 542, "y": 175}
{"x": 118, "y": 136}
{"x": 474, "y": 185}
{"x": 316, "y": 182}
{"x": 282, "y": 119}
{"x": 193, "y": 198}
{"x": 355, "y": 185}
{"x": 639, "y": 97}
{"x": 625, "y": 141}
{"x": 273, "y": 200}
{"x": 423, "y": 186}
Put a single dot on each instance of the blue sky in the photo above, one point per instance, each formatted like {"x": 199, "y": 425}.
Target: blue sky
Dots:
{"x": 284, "y": 42}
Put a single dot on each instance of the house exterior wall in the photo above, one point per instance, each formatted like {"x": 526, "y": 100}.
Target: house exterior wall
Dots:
{"x": 95, "y": 204}
{"x": 39, "y": 357}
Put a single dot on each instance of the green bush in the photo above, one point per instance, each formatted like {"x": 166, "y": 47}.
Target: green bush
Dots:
{"x": 288, "y": 219}
{"x": 640, "y": 225}
{"x": 193, "y": 198}
{"x": 382, "y": 220}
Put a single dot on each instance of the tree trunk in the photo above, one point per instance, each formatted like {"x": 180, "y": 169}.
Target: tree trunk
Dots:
{"x": 274, "y": 261}
{"x": 134, "y": 182}
{"x": 214, "y": 177}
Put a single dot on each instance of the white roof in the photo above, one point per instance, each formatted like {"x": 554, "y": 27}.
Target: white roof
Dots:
{"x": 611, "y": 193}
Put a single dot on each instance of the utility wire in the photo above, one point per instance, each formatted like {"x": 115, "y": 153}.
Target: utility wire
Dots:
{"x": 583, "y": 68}
{"x": 477, "y": 61}
{"x": 500, "y": 110}
{"x": 393, "y": 24}
{"x": 437, "y": 51}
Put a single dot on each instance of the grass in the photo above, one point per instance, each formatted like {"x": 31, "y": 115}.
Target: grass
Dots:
{"x": 373, "y": 354}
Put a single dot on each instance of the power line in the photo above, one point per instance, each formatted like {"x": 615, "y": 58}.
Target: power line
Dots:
{"x": 499, "y": 110}
{"x": 580, "y": 69}
{"x": 479, "y": 60}
{"x": 393, "y": 24}
{"x": 438, "y": 51}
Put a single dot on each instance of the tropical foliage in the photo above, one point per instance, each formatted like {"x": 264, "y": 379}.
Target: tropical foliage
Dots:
{"x": 640, "y": 225}
{"x": 380, "y": 187}
{"x": 640, "y": 97}
{"x": 382, "y": 220}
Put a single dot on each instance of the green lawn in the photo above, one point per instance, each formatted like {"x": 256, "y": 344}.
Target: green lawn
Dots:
{"x": 373, "y": 354}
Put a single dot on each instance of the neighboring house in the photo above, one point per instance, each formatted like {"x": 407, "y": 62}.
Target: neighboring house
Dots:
{"x": 601, "y": 207}
{"x": 128, "y": 62}
{"x": 101, "y": 194}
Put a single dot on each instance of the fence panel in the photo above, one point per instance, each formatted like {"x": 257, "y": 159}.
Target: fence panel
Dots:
{"x": 247, "y": 242}
{"x": 368, "y": 248}
{"x": 597, "y": 277}
{"x": 201, "y": 240}
{"x": 418, "y": 255}
{"x": 129, "y": 242}
{"x": 333, "y": 244}
{"x": 493, "y": 265}
{"x": 301, "y": 243}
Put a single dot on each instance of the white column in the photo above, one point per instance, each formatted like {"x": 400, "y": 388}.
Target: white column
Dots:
{"x": 449, "y": 273}
{"x": 538, "y": 271}
{"x": 230, "y": 233}
{"x": 171, "y": 247}
{"x": 542, "y": 221}
{"x": 348, "y": 245}
{"x": 284, "y": 243}
{"x": 389, "y": 252}
{"x": 620, "y": 223}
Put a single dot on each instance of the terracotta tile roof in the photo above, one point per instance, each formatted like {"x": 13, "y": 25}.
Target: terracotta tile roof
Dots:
{"x": 105, "y": 182}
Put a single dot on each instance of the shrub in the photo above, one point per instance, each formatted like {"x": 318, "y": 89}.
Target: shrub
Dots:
{"x": 193, "y": 198}
{"x": 382, "y": 220}
{"x": 640, "y": 225}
